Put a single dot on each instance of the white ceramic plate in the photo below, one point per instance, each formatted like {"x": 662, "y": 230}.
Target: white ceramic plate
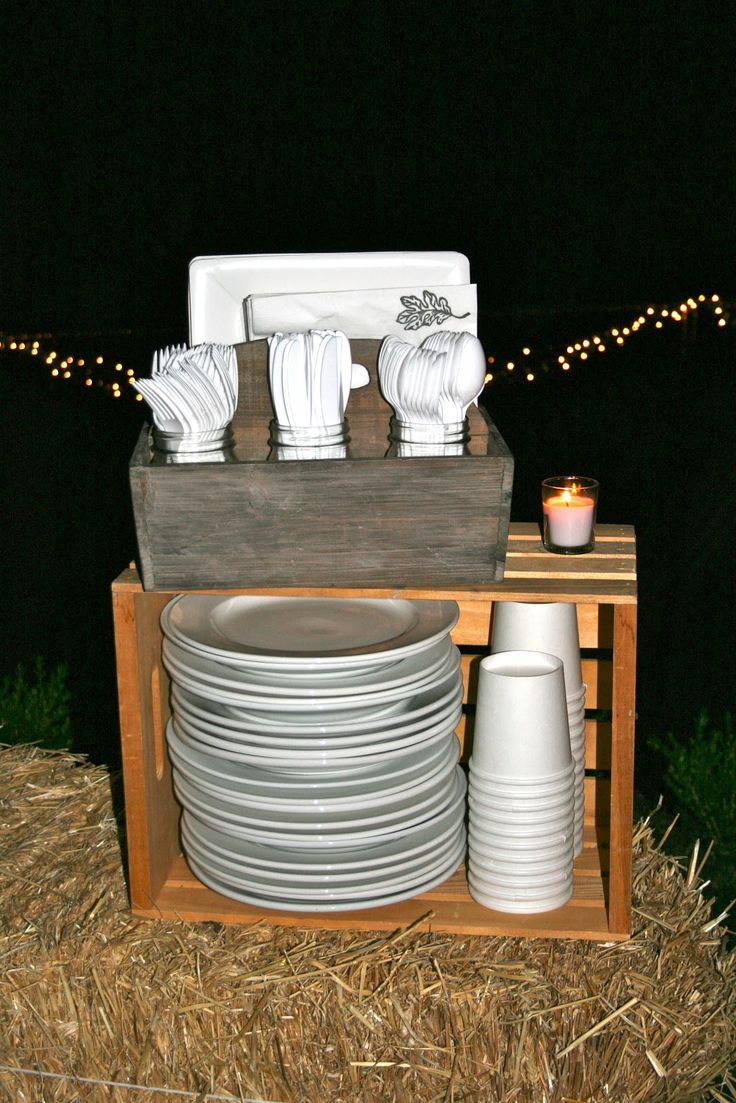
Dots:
{"x": 416, "y": 668}
{"x": 219, "y": 284}
{"x": 360, "y": 815}
{"x": 286, "y": 736}
{"x": 229, "y": 773}
{"x": 338, "y": 772}
{"x": 303, "y": 632}
{"x": 282, "y": 904}
{"x": 296, "y": 837}
{"x": 195, "y": 673}
{"x": 305, "y": 892}
{"x": 266, "y": 750}
{"x": 373, "y": 798}
{"x": 317, "y": 768}
{"x": 414, "y": 709}
{"x": 337, "y": 875}
{"x": 375, "y": 790}
{"x": 402, "y": 846}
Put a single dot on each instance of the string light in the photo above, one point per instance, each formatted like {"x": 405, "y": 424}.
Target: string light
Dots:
{"x": 616, "y": 336}
{"x": 62, "y": 365}
{"x": 534, "y": 364}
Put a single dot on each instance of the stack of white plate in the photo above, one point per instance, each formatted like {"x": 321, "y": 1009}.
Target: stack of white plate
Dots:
{"x": 313, "y": 747}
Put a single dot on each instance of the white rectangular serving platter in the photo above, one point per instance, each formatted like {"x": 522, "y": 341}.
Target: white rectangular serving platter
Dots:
{"x": 218, "y": 285}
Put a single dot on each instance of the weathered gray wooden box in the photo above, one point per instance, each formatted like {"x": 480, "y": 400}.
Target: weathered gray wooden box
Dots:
{"x": 369, "y": 519}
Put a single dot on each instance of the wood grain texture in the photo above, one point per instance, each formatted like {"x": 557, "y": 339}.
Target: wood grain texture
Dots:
{"x": 369, "y": 519}
{"x": 162, "y": 885}
{"x": 447, "y": 908}
{"x": 622, "y": 757}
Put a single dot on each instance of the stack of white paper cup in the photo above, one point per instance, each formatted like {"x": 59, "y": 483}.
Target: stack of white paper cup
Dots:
{"x": 521, "y": 786}
{"x": 551, "y": 627}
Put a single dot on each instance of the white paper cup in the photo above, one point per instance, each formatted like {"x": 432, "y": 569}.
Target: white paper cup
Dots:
{"x": 576, "y": 720}
{"x": 576, "y": 698}
{"x": 521, "y": 729}
{"x": 521, "y": 837}
{"x": 498, "y": 902}
{"x": 551, "y": 858}
{"x": 519, "y": 863}
{"x": 502, "y": 787}
{"x": 548, "y": 626}
{"x": 525, "y": 883}
{"x": 515, "y": 806}
{"x": 509, "y": 822}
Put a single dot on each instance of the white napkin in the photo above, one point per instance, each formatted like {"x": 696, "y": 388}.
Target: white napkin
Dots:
{"x": 409, "y": 312}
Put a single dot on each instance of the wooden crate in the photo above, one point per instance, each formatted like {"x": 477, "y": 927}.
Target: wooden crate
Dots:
{"x": 370, "y": 519}
{"x": 603, "y": 586}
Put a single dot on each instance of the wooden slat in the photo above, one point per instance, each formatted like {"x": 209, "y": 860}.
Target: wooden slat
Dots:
{"x": 597, "y": 802}
{"x": 595, "y": 626}
{"x": 606, "y": 618}
{"x": 597, "y": 676}
{"x": 538, "y": 575}
{"x": 611, "y": 568}
{"x": 622, "y": 753}
{"x": 597, "y": 745}
{"x": 449, "y": 908}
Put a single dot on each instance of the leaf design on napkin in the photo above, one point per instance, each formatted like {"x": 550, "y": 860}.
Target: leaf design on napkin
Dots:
{"x": 431, "y": 310}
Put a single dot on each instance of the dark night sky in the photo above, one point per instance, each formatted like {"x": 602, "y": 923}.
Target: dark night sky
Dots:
{"x": 580, "y": 154}
{"x": 577, "y": 153}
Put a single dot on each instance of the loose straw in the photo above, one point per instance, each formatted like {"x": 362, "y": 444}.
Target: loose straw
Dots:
{"x": 181, "y": 1093}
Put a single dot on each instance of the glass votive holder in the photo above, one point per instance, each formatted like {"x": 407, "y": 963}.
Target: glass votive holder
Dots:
{"x": 568, "y": 504}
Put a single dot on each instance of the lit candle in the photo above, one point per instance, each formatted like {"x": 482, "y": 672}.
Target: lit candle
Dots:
{"x": 569, "y": 507}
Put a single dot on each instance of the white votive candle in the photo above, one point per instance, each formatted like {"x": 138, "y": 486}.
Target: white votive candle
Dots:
{"x": 569, "y": 505}
{"x": 569, "y": 519}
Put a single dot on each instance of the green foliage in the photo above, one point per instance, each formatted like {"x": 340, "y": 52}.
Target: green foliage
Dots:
{"x": 700, "y": 777}
{"x": 35, "y": 707}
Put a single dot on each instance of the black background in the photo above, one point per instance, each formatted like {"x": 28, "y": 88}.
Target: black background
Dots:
{"x": 576, "y": 152}
{"x": 582, "y": 157}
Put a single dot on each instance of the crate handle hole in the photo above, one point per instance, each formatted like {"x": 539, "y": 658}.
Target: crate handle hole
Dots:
{"x": 159, "y": 745}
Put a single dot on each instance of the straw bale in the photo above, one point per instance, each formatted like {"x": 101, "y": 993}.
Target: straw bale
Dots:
{"x": 97, "y": 1005}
